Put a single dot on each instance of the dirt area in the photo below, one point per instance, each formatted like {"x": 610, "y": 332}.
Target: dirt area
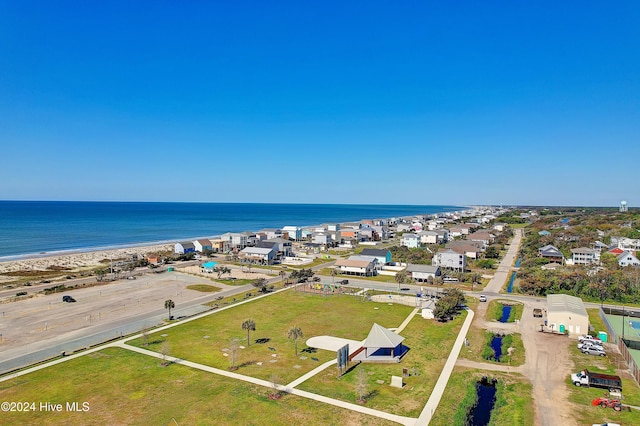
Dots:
{"x": 236, "y": 272}
{"x": 33, "y": 322}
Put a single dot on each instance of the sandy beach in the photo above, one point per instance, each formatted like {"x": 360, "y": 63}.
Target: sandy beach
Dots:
{"x": 76, "y": 261}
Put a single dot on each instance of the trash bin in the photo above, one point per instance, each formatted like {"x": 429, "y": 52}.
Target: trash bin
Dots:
{"x": 602, "y": 335}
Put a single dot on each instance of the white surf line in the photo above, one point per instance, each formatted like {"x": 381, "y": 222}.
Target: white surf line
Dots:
{"x": 441, "y": 384}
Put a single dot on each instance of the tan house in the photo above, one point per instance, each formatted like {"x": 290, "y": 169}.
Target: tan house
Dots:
{"x": 365, "y": 268}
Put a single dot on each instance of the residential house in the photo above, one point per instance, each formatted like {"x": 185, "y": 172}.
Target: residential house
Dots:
{"x": 382, "y": 255}
{"x": 585, "y": 256}
{"x": 202, "y": 245}
{"x": 482, "y": 237}
{"x": 259, "y": 255}
{"x": 471, "y": 249}
{"x": 294, "y": 232}
{"x": 376, "y": 265}
{"x": 236, "y": 240}
{"x": 285, "y": 247}
{"x": 444, "y": 235}
{"x": 219, "y": 245}
{"x": 153, "y": 259}
{"x": 403, "y": 227}
{"x": 616, "y": 251}
{"x": 627, "y": 258}
{"x": 629, "y": 244}
{"x": 410, "y": 240}
{"x": 333, "y": 227}
{"x": 365, "y": 268}
{"x": 500, "y": 226}
{"x": 366, "y": 234}
{"x": 447, "y": 258}
{"x": 382, "y": 232}
{"x": 552, "y": 253}
{"x": 321, "y": 238}
{"x": 184, "y": 247}
{"x": 455, "y": 231}
{"x": 422, "y": 273}
{"x": 272, "y": 233}
{"x": 429, "y": 237}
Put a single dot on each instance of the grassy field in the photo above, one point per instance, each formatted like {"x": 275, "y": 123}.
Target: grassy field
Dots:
{"x": 430, "y": 343}
{"x": 204, "y": 340}
{"x": 122, "y": 387}
{"x": 513, "y": 399}
{"x": 205, "y": 288}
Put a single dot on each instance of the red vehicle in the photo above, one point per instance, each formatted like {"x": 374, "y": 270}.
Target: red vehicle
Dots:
{"x": 607, "y": 403}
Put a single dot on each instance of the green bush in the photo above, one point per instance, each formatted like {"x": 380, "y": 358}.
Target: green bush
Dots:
{"x": 465, "y": 406}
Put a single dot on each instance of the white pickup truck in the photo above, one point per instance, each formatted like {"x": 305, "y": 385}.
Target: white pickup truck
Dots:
{"x": 588, "y": 338}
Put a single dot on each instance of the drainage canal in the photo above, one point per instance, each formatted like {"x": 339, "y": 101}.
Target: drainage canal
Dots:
{"x": 506, "y": 313}
{"x": 496, "y": 345}
{"x": 518, "y": 262}
{"x": 481, "y": 412}
{"x": 510, "y": 287}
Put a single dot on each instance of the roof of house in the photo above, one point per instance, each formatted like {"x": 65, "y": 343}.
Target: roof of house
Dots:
{"x": 375, "y": 252}
{"x": 187, "y": 244}
{"x": 428, "y": 269}
{"x": 257, "y": 250}
{"x": 617, "y": 251}
{"x": 380, "y": 337}
{"x": 204, "y": 242}
{"x": 410, "y": 236}
{"x": 584, "y": 250}
{"x": 480, "y": 236}
{"x": 267, "y": 244}
{"x": 565, "y": 303}
{"x": 550, "y": 250}
{"x": 353, "y": 263}
{"x": 625, "y": 255}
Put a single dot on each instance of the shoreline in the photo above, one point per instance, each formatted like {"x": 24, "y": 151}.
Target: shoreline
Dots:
{"x": 79, "y": 258}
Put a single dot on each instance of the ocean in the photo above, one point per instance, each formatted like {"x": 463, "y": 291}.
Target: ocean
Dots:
{"x": 38, "y": 227}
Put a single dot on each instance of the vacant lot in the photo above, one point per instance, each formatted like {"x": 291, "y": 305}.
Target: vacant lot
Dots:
{"x": 123, "y": 387}
{"x": 209, "y": 340}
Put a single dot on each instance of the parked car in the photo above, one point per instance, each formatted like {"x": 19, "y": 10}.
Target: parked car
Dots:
{"x": 343, "y": 282}
{"x": 588, "y": 337}
{"x": 68, "y": 299}
{"x": 589, "y": 344}
{"x": 482, "y": 298}
{"x": 593, "y": 351}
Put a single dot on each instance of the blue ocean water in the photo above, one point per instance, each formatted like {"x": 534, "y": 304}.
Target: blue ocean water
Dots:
{"x": 32, "y": 227}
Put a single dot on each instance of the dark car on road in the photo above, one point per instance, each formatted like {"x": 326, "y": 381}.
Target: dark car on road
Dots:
{"x": 68, "y": 299}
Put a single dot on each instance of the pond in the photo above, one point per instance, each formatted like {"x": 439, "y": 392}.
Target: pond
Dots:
{"x": 480, "y": 414}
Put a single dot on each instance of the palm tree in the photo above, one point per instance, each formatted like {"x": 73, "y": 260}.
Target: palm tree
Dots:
{"x": 260, "y": 284}
{"x": 295, "y": 333}
{"x": 168, "y": 304}
{"x": 401, "y": 277}
{"x": 249, "y": 325}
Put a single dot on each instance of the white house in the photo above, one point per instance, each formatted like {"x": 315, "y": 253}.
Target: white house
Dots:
{"x": 294, "y": 232}
{"x": 260, "y": 255}
{"x": 410, "y": 240}
{"x": 448, "y": 258}
{"x": 202, "y": 245}
{"x": 184, "y": 247}
{"x": 237, "y": 240}
{"x": 428, "y": 237}
{"x": 321, "y": 238}
{"x": 585, "y": 256}
{"x": 422, "y": 273}
{"x": 365, "y": 268}
{"x": 627, "y": 258}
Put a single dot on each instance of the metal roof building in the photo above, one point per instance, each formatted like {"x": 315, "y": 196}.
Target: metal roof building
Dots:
{"x": 567, "y": 314}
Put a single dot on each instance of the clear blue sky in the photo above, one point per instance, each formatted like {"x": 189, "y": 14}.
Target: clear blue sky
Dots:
{"x": 322, "y": 102}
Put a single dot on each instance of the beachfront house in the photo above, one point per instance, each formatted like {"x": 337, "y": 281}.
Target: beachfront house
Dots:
{"x": 236, "y": 240}
{"x": 365, "y": 268}
{"x": 184, "y": 247}
{"x": 447, "y": 258}
{"x": 258, "y": 255}
{"x": 202, "y": 245}
{"x": 294, "y": 232}
{"x": 422, "y": 273}
{"x": 321, "y": 238}
{"x": 410, "y": 241}
{"x": 471, "y": 249}
{"x": 219, "y": 245}
{"x": 284, "y": 247}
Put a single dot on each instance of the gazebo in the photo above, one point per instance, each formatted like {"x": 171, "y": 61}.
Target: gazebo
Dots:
{"x": 381, "y": 345}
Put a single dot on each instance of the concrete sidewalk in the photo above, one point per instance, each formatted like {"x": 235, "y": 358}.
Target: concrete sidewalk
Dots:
{"x": 441, "y": 384}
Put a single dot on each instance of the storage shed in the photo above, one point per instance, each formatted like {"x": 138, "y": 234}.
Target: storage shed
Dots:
{"x": 567, "y": 314}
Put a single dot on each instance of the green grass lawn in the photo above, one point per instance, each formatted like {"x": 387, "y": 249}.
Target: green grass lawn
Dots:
{"x": 430, "y": 343}
{"x": 123, "y": 387}
{"x": 237, "y": 282}
{"x": 513, "y": 399}
{"x": 205, "y": 288}
{"x": 335, "y": 315}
